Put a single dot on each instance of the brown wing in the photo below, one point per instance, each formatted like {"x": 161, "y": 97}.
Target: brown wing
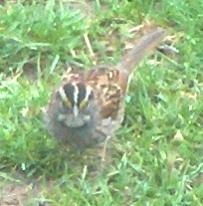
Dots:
{"x": 107, "y": 75}
{"x": 109, "y": 87}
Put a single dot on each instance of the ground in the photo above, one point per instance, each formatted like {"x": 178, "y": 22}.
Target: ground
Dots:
{"x": 156, "y": 156}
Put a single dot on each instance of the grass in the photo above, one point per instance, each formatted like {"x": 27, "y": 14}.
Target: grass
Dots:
{"x": 158, "y": 153}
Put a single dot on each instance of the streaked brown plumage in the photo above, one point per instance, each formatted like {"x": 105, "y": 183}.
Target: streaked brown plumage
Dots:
{"x": 88, "y": 106}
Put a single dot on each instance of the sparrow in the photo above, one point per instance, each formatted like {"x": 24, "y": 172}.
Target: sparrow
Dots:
{"x": 88, "y": 106}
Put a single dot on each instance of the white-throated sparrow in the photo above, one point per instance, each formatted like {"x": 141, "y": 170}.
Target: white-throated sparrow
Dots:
{"x": 88, "y": 106}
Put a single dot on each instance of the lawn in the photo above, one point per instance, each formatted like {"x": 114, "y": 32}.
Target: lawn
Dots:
{"x": 156, "y": 156}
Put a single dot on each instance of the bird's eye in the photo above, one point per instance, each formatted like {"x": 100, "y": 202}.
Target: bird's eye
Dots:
{"x": 67, "y": 103}
{"x": 83, "y": 104}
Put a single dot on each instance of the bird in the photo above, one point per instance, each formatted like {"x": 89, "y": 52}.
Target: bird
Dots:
{"x": 88, "y": 106}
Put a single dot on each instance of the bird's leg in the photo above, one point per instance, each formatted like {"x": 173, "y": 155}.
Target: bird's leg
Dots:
{"x": 104, "y": 149}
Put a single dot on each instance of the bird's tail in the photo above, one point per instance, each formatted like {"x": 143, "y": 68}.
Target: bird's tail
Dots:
{"x": 147, "y": 43}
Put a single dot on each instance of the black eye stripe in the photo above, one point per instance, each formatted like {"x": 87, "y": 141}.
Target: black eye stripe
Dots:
{"x": 81, "y": 93}
{"x": 69, "y": 91}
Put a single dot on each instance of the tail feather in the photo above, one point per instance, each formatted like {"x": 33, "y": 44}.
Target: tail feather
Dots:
{"x": 144, "y": 46}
